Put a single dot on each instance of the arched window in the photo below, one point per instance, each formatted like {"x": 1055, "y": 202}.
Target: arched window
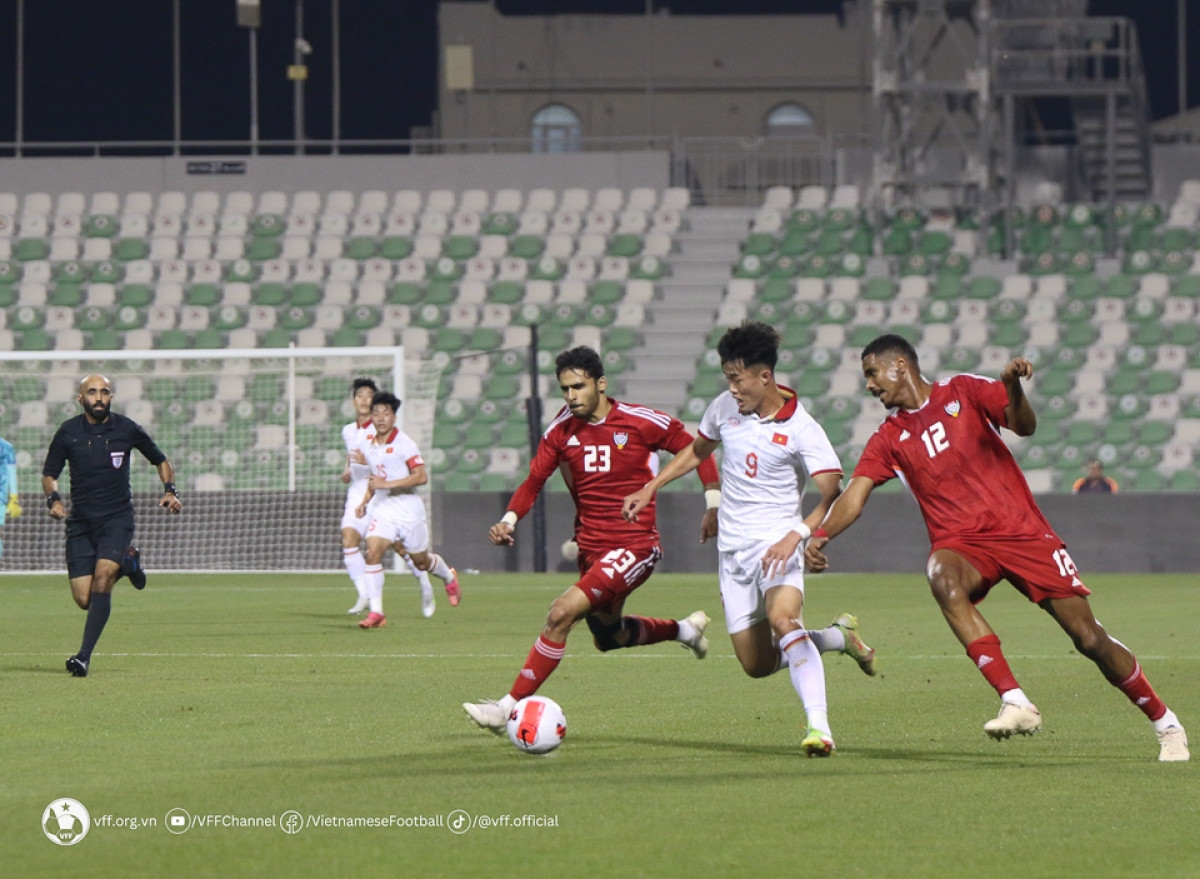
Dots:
{"x": 789, "y": 120}
{"x": 556, "y": 129}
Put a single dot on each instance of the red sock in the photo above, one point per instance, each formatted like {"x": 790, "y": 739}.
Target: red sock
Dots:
{"x": 648, "y": 630}
{"x": 541, "y": 662}
{"x": 1138, "y": 690}
{"x": 989, "y": 659}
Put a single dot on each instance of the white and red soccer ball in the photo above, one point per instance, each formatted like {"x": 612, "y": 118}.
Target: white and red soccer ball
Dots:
{"x": 537, "y": 725}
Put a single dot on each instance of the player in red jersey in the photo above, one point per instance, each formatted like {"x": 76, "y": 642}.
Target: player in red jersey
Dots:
{"x": 602, "y": 447}
{"x": 943, "y": 440}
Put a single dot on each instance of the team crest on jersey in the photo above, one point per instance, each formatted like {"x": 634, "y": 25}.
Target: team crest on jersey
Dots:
{"x": 734, "y": 422}
{"x": 118, "y": 458}
{"x": 388, "y": 450}
{"x": 620, "y": 438}
{"x": 953, "y": 408}
{"x": 780, "y": 439}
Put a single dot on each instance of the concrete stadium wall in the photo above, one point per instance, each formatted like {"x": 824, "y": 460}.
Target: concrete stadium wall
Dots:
{"x": 1127, "y": 533}
{"x": 190, "y": 174}
{"x": 1123, "y": 533}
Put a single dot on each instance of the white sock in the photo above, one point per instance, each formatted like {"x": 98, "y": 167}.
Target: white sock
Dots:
{"x": 352, "y": 558}
{"x": 686, "y": 631}
{"x": 440, "y": 569}
{"x": 421, "y": 576}
{"x": 808, "y": 676}
{"x": 1166, "y": 721}
{"x": 507, "y": 701}
{"x": 831, "y": 640}
{"x": 1016, "y": 696}
{"x": 373, "y": 580}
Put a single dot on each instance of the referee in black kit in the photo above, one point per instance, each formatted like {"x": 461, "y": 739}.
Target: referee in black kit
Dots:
{"x": 98, "y": 445}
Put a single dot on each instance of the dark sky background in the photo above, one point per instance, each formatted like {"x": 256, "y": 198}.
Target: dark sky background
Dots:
{"x": 101, "y": 70}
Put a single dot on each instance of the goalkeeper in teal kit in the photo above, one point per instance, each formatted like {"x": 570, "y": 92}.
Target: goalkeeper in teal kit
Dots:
{"x": 8, "y": 484}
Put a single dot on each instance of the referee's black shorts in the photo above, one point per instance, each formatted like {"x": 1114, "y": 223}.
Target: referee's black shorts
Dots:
{"x": 91, "y": 539}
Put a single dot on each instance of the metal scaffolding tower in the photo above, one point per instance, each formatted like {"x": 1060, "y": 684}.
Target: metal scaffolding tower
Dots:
{"x": 933, "y": 103}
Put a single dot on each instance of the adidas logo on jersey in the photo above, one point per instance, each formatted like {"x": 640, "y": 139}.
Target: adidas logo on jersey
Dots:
{"x": 573, "y": 441}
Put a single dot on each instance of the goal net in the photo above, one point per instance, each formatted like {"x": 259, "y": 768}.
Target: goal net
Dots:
{"x": 254, "y": 435}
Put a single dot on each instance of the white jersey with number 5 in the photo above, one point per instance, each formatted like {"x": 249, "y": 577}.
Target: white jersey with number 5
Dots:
{"x": 764, "y": 463}
{"x": 394, "y": 459}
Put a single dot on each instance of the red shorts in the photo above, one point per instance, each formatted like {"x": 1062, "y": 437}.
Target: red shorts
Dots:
{"x": 1039, "y": 567}
{"x": 609, "y": 575}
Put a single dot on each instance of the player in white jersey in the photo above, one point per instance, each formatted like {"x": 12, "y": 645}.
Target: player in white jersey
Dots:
{"x": 772, "y": 445}
{"x": 396, "y": 512}
{"x": 354, "y": 528}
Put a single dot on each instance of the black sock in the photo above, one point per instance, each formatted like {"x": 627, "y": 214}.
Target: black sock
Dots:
{"x": 99, "y": 607}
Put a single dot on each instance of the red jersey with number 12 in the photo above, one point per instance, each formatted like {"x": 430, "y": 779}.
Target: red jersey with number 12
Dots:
{"x": 601, "y": 464}
{"x": 951, "y": 456}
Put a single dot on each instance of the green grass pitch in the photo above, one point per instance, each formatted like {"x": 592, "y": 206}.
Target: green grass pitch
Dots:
{"x": 242, "y": 697}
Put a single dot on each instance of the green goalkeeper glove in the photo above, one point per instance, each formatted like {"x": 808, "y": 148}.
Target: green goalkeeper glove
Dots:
{"x": 14, "y": 507}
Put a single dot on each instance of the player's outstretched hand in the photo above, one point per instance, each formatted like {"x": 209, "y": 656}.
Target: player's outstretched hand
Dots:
{"x": 708, "y": 525}
{"x": 171, "y": 501}
{"x": 635, "y": 503}
{"x": 501, "y": 534}
{"x": 815, "y": 560}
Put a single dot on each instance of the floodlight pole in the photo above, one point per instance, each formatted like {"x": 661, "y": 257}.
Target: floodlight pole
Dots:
{"x": 533, "y": 420}
{"x": 298, "y": 80}
{"x": 176, "y": 109}
{"x": 19, "y": 135}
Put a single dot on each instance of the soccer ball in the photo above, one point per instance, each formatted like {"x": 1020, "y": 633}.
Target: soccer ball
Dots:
{"x": 537, "y": 725}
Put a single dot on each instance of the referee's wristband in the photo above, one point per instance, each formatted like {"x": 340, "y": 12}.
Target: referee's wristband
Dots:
{"x": 169, "y": 488}
{"x": 53, "y": 498}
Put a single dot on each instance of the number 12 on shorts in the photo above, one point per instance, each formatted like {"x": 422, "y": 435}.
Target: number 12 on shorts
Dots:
{"x": 1066, "y": 567}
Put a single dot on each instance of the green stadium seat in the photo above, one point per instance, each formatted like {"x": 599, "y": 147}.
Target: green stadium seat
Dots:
{"x": 506, "y": 292}
{"x": 347, "y": 337}
{"x": 362, "y": 247}
{"x": 263, "y": 249}
{"x": 395, "y": 247}
{"x": 105, "y": 340}
{"x": 100, "y": 226}
{"x": 107, "y": 272}
{"x": 208, "y": 338}
{"x": 202, "y": 295}
{"x": 172, "y": 340}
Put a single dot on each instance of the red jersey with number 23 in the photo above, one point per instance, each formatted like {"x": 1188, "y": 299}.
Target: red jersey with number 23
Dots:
{"x": 951, "y": 456}
{"x": 601, "y": 464}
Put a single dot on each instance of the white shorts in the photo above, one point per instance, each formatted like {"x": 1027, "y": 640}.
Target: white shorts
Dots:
{"x": 349, "y": 520}
{"x": 744, "y": 588}
{"x": 413, "y": 533}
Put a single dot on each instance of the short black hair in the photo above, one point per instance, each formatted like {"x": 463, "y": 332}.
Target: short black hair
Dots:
{"x": 753, "y": 343}
{"x": 583, "y": 358}
{"x": 363, "y": 382}
{"x": 383, "y": 398}
{"x": 893, "y": 344}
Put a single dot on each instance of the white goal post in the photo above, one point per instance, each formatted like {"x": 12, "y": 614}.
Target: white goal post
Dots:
{"x": 254, "y": 435}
